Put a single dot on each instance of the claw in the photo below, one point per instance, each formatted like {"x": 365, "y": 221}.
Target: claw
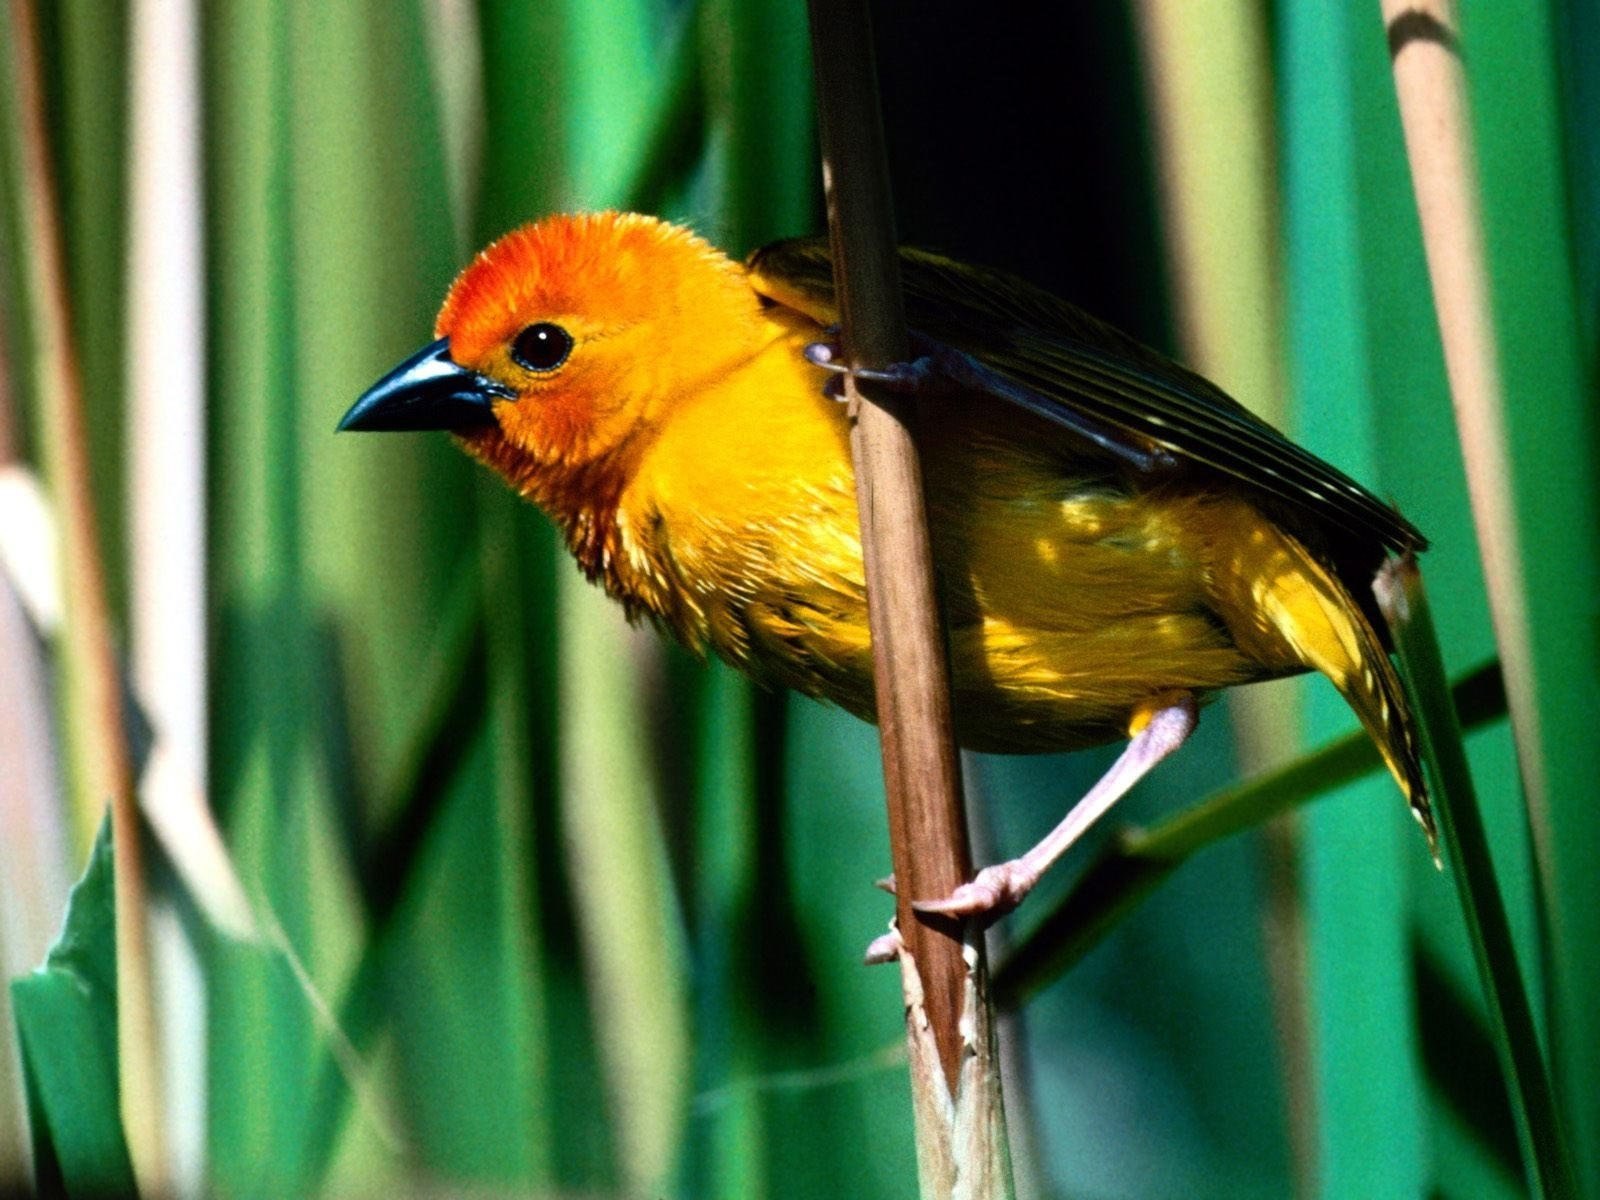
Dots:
{"x": 825, "y": 355}
{"x": 829, "y": 357}
{"x": 938, "y": 370}
{"x": 994, "y": 892}
{"x": 885, "y": 948}
{"x": 885, "y": 884}
{"x": 902, "y": 377}
{"x": 1159, "y": 726}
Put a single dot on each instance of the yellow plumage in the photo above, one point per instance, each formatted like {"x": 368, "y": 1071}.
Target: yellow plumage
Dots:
{"x": 687, "y": 449}
{"x": 1069, "y": 601}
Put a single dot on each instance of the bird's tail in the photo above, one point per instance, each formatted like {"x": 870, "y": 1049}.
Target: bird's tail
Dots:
{"x": 1312, "y": 616}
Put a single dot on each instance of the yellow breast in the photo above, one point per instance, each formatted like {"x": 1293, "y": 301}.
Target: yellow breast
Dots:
{"x": 1070, "y": 596}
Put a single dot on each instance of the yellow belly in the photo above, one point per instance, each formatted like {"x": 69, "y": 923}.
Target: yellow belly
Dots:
{"x": 1070, "y": 597}
{"x": 1075, "y": 591}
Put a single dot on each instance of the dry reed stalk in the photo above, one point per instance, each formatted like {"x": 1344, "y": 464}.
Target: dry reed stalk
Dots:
{"x": 103, "y": 769}
{"x": 166, "y": 507}
{"x": 955, "y": 1070}
{"x": 1433, "y": 108}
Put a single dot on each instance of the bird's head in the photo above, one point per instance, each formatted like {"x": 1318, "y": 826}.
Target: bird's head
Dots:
{"x": 566, "y": 341}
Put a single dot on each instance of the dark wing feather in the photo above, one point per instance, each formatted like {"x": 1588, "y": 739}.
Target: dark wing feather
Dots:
{"x": 1073, "y": 361}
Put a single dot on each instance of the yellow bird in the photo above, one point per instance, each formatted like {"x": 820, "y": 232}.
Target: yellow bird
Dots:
{"x": 1116, "y": 539}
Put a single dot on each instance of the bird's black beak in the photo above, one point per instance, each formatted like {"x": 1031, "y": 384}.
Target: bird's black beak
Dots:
{"x": 427, "y": 391}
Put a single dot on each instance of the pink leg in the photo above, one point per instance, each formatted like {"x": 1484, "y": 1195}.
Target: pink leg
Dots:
{"x": 1000, "y": 888}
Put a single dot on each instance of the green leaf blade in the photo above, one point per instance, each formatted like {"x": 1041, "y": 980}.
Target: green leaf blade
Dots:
{"x": 66, "y": 1016}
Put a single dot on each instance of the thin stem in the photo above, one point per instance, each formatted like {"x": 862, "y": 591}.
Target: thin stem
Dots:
{"x": 927, "y": 829}
{"x": 955, "y": 1069}
{"x": 103, "y": 771}
{"x": 1466, "y": 846}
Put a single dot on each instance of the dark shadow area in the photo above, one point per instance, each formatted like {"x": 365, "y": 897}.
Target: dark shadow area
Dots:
{"x": 1459, "y": 1058}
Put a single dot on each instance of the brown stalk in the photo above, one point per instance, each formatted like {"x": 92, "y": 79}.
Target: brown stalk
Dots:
{"x": 927, "y": 829}
{"x": 955, "y": 1070}
{"x": 103, "y": 770}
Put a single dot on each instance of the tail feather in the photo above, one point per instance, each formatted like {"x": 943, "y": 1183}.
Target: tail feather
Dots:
{"x": 1309, "y": 613}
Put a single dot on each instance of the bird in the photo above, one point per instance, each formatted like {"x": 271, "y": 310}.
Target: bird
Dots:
{"x": 1116, "y": 540}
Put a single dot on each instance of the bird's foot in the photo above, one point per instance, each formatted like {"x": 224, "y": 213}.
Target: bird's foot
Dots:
{"x": 1159, "y": 726}
{"x": 885, "y": 948}
{"x": 904, "y": 378}
{"x": 994, "y": 892}
{"x": 939, "y": 371}
{"x": 935, "y": 368}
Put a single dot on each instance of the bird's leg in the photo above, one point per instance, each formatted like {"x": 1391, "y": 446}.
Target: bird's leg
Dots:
{"x": 939, "y": 370}
{"x": 1159, "y": 727}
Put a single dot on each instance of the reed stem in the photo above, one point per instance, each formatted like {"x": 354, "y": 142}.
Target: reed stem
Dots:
{"x": 102, "y": 767}
{"x": 960, "y": 1125}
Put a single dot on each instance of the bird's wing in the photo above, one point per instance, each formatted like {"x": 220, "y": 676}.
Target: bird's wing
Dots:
{"x": 1071, "y": 362}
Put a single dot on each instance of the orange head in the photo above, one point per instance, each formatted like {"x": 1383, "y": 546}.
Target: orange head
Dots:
{"x": 564, "y": 343}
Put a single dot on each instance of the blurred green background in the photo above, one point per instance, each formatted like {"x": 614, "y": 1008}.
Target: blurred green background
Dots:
{"x": 590, "y": 913}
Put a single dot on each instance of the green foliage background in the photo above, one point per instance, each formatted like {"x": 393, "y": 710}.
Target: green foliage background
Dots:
{"x": 591, "y": 913}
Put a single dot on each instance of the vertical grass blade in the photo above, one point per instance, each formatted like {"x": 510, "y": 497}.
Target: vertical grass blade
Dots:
{"x": 759, "y": 117}
{"x": 1461, "y": 827}
{"x": 33, "y": 854}
{"x": 166, "y": 450}
{"x": 34, "y": 838}
{"x": 166, "y": 378}
{"x": 733, "y": 1147}
{"x": 756, "y": 92}
{"x": 1576, "y": 30}
{"x": 86, "y": 79}
{"x": 628, "y": 914}
{"x": 95, "y": 758}
{"x": 1209, "y": 81}
{"x": 259, "y": 1032}
{"x": 1523, "y": 387}
{"x": 453, "y": 44}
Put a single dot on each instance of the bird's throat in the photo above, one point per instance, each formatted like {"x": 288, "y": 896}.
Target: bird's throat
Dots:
{"x": 582, "y": 499}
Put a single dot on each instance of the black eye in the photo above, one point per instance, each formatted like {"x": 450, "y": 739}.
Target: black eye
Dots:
{"x": 542, "y": 347}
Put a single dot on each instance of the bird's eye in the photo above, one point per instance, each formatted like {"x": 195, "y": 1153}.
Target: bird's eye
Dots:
{"x": 542, "y": 347}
